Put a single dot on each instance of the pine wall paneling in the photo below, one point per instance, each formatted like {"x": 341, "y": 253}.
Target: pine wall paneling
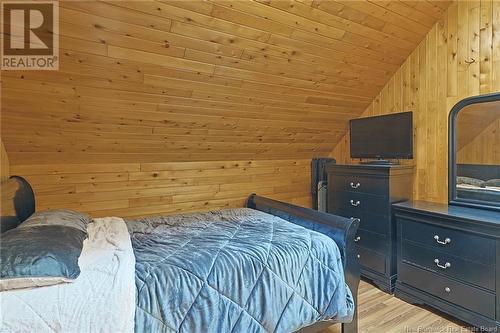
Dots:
{"x": 459, "y": 57}
{"x": 4, "y": 158}
{"x": 177, "y": 82}
{"x": 478, "y": 134}
{"x": 483, "y": 148}
{"x": 4, "y": 164}
{"x": 139, "y": 189}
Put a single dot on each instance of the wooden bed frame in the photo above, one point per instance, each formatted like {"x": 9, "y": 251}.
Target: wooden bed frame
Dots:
{"x": 18, "y": 203}
{"x": 343, "y": 232}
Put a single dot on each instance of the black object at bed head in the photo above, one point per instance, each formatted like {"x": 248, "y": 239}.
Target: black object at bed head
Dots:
{"x": 478, "y": 171}
{"x": 18, "y": 202}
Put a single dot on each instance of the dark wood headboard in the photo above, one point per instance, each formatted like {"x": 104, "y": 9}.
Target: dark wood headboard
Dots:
{"x": 479, "y": 171}
{"x": 18, "y": 202}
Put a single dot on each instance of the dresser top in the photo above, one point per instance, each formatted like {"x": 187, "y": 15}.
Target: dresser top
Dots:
{"x": 370, "y": 169}
{"x": 371, "y": 166}
{"x": 458, "y": 212}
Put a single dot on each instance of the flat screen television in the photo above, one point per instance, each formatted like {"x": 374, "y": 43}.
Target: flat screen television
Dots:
{"x": 382, "y": 137}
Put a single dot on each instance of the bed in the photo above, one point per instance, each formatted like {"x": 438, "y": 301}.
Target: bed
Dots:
{"x": 269, "y": 267}
{"x": 479, "y": 182}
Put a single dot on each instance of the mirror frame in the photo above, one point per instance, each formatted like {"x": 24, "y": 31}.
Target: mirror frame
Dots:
{"x": 452, "y": 165}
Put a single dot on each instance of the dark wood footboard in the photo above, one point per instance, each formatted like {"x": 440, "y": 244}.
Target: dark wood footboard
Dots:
{"x": 340, "y": 229}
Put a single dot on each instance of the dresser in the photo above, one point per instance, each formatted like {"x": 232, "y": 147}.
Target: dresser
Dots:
{"x": 449, "y": 259}
{"x": 366, "y": 192}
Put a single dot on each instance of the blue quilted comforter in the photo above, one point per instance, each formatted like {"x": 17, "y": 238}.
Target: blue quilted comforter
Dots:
{"x": 237, "y": 270}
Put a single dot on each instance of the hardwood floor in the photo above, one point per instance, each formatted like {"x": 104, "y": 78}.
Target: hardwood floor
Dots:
{"x": 384, "y": 313}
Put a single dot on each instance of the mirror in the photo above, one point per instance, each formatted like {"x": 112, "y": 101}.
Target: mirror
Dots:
{"x": 475, "y": 152}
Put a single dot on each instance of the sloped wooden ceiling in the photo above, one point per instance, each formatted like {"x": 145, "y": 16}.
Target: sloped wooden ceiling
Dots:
{"x": 207, "y": 80}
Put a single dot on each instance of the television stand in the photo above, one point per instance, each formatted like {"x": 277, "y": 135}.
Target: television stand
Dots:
{"x": 380, "y": 162}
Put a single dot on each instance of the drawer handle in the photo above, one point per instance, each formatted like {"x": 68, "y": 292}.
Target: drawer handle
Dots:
{"x": 355, "y": 204}
{"x": 445, "y": 266}
{"x": 357, "y": 239}
{"x": 447, "y": 289}
{"x": 446, "y": 240}
{"x": 355, "y": 219}
{"x": 355, "y": 185}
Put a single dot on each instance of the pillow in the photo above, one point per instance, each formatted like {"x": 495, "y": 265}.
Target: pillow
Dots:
{"x": 39, "y": 256}
{"x": 470, "y": 181}
{"x": 492, "y": 183}
{"x": 61, "y": 217}
{"x": 42, "y": 251}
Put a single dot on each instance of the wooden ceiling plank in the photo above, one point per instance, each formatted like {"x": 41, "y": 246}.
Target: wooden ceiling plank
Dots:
{"x": 167, "y": 72}
{"x": 254, "y": 76}
{"x": 443, "y": 4}
{"x": 425, "y": 7}
{"x": 402, "y": 9}
{"x": 337, "y": 44}
{"x": 381, "y": 13}
{"x": 212, "y": 135}
{"x": 286, "y": 18}
{"x": 162, "y": 60}
{"x": 342, "y": 48}
{"x": 209, "y": 80}
{"x": 332, "y": 68}
{"x": 299, "y": 50}
{"x": 245, "y": 18}
{"x": 82, "y": 45}
{"x": 316, "y": 15}
{"x": 182, "y": 15}
{"x": 225, "y": 136}
{"x": 110, "y": 38}
{"x": 165, "y": 100}
{"x": 102, "y": 9}
{"x": 385, "y": 62}
{"x": 349, "y": 13}
{"x": 240, "y": 17}
{"x": 295, "y": 72}
{"x": 199, "y": 6}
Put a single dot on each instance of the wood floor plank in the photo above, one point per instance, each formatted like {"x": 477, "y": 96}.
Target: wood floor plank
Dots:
{"x": 380, "y": 312}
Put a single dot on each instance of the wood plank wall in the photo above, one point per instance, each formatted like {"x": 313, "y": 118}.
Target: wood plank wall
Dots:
{"x": 4, "y": 163}
{"x": 140, "y": 189}
{"x": 459, "y": 57}
{"x": 484, "y": 148}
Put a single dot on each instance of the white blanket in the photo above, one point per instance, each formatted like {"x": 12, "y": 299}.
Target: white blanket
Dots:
{"x": 101, "y": 299}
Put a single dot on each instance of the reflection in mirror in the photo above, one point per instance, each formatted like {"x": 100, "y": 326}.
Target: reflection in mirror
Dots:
{"x": 478, "y": 152}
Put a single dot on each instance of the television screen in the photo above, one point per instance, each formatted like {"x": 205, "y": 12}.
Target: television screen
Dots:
{"x": 388, "y": 136}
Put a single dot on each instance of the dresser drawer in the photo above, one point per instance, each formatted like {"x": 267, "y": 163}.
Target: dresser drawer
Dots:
{"x": 372, "y": 222}
{"x": 450, "y": 265}
{"x": 372, "y": 241}
{"x": 360, "y": 184}
{"x": 447, "y": 289}
{"x": 360, "y": 202}
{"x": 371, "y": 260}
{"x": 461, "y": 244}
